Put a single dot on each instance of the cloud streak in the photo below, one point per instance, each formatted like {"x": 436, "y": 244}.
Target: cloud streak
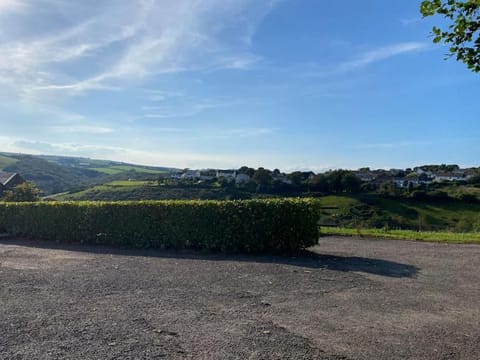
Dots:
{"x": 11, "y": 6}
{"x": 382, "y": 53}
{"x": 363, "y": 59}
{"x": 125, "y": 154}
{"x": 123, "y": 42}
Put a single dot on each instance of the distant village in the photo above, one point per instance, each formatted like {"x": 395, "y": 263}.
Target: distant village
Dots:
{"x": 401, "y": 178}
{"x": 423, "y": 175}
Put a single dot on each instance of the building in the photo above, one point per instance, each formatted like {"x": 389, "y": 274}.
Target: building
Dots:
{"x": 191, "y": 175}
{"x": 448, "y": 176}
{"x": 366, "y": 176}
{"x": 9, "y": 181}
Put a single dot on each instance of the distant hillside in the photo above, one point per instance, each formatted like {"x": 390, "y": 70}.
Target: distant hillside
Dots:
{"x": 50, "y": 177}
{"x": 103, "y": 166}
{"x": 6, "y": 161}
{"x": 58, "y": 174}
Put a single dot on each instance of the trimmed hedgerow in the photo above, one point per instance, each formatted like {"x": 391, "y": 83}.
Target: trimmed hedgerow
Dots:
{"x": 253, "y": 226}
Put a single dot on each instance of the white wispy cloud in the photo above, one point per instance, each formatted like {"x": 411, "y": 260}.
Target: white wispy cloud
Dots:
{"x": 115, "y": 43}
{"x": 125, "y": 154}
{"x": 82, "y": 129}
{"x": 11, "y": 6}
{"x": 214, "y": 133}
{"x": 410, "y": 21}
{"x": 380, "y": 54}
{"x": 361, "y": 60}
{"x": 185, "y": 107}
{"x": 397, "y": 144}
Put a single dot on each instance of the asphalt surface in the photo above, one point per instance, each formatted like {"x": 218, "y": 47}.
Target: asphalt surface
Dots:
{"x": 348, "y": 299}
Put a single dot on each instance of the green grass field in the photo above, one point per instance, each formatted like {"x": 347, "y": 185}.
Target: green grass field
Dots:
{"x": 117, "y": 169}
{"x": 429, "y": 236}
{"x": 120, "y": 183}
{"x": 377, "y": 212}
{"x": 5, "y": 161}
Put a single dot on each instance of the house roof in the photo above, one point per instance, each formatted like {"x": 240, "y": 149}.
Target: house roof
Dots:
{"x": 5, "y": 177}
{"x": 447, "y": 174}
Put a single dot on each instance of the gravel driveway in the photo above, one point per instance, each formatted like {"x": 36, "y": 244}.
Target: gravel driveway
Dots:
{"x": 349, "y": 299}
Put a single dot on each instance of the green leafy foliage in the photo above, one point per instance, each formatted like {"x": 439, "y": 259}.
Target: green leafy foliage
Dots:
{"x": 373, "y": 211}
{"x": 253, "y": 226}
{"x": 23, "y": 192}
{"x": 336, "y": 182}
{"x": 463, "y": 31}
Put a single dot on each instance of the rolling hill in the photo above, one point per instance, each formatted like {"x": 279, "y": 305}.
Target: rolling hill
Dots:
{"x": 58, "y": 174}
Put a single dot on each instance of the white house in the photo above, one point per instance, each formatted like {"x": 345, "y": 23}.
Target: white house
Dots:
{"x": 176, "y": 175}
{"x": 191, "y": 175}
{"x": 443, "y": 176}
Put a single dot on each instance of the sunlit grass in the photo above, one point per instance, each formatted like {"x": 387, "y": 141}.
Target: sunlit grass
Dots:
{"x": 430, "y": 236}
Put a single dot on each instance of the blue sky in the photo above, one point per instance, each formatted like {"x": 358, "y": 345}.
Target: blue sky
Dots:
{"x": 289, "y": 84}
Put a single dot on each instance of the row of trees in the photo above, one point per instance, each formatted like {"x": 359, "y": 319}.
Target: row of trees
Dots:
{"x": 337, "y": 181}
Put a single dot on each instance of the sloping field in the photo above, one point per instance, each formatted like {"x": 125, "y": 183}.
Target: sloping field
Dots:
{"x": 350, "y": 299}
{"x": 6, "y": 161}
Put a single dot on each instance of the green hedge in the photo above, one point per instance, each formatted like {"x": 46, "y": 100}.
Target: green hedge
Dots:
{"x": 253, "y": 226}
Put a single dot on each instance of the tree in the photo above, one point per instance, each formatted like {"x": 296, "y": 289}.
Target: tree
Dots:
{"x": 463, "y": 32}
{"x": 388, "y": 188}
{"x": 22, "y": 192}
{"x": 351, "y": 183}
{"x": 263, "y": 178}
{"x": 246, "y": 170}
{"x": 296, "y": 178}
{"x": 320, "y": 183}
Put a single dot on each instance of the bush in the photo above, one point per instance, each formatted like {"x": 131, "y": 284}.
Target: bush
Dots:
{"x": 253, "y": 226}
{"x": 439, "y": 196}
{"x": 24, "y": 192}
{"x": 468, "y": 198}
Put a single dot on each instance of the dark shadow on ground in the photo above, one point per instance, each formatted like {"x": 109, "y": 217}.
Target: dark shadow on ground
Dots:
{"x": 307, "y": 259}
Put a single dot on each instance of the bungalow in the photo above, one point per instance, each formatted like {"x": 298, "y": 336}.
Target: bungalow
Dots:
{"x": 176, "y": 175}
{"x": 191, "y": 175}
{"x": 366, "y": 176}
{"x": 448, "y": 176}
{"x": 410, "y": 181}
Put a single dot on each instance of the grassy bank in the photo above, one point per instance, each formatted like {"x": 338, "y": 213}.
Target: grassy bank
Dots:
{"x": 371, "y": 211}
{"x": 429, "y": 236}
